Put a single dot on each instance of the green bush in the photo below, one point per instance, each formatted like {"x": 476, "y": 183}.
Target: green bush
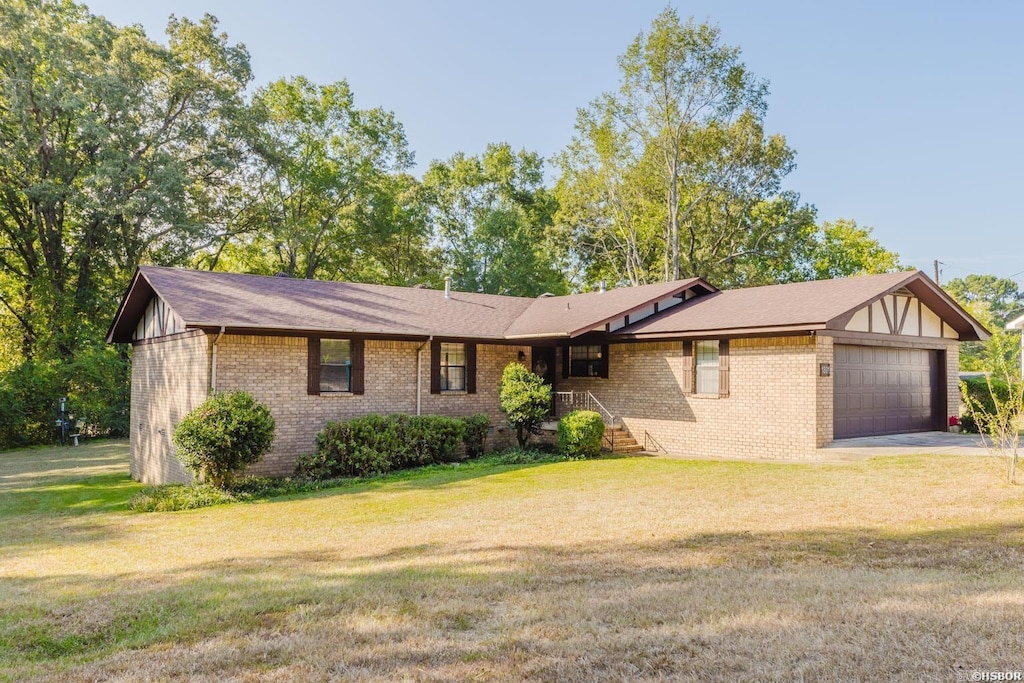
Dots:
{"x": 475, "y": 437}
{"x": 99, "y": 389}
{"x": 29, "y": 396}
{"x": 225, "y": 434}
{"x": 580, "y": 434}
{"x": 375, "y": 444}
{"x": 525, "y": 399}
{"x": 976, "y": 392}
{"x": 96, "y": 383}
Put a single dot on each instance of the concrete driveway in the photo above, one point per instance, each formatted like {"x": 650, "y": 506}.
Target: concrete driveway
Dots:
{"x": 904, "y": 444}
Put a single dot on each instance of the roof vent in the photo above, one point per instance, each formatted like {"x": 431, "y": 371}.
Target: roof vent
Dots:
{"x": 419, "y": 286}
{"x": 545, "y": 295}
{"x": 281, "y": 274}
{"x": 448, "y": 287}
{"x": 601, "y": 287}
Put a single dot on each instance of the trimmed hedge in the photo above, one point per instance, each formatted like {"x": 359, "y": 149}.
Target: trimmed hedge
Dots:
{"x": 580, "y": 434}
{"x": 475, "y": 437}
{"x": 223, "y": 435}
{"x": 975, "y": 391}
{"x": 375, "y": 444}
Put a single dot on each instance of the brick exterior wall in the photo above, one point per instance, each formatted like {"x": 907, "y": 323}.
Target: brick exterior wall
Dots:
{"x": 771, "y": 410}
{"x": 778, "y": 405}
{"x": 273, "y": 369}
{"x": 170, "y": 377}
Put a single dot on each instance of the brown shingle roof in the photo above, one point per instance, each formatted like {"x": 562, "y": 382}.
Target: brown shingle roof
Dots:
{"x": 819, "y": 304}
{"x": 207, "y": 299}
{"x": 254, "y": 302}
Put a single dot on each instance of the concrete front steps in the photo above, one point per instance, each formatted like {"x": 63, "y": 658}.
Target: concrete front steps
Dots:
{"x": 619, "y": 440}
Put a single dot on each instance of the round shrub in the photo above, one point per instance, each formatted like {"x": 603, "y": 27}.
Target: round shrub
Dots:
{"x": 525, "y": 399}
{"x": 227, "y": 432}
{"x": 580, "y": 434}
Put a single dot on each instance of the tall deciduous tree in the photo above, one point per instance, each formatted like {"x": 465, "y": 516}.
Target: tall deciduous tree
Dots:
{"x": 994, "y": 301}
{"x": 843, "y": 249}
{"x": 112, "y": 148}
{"x": 320, "y": 163}
{"x": 493, "y": 219}
{"x": 664, "y": 176}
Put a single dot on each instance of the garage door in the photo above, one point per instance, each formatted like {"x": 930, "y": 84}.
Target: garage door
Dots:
{"x": 880, "y": 390}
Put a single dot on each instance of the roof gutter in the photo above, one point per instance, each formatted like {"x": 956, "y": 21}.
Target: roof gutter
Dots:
{"x": 542, "y": 335}
{"x": 213, "y": 361}
{"x": 724, "y": 332}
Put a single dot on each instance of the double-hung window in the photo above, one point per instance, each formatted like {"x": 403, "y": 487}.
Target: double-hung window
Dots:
{"x": 453, "y": 367}
{"x": 335, "y": 365}
{"x": 707, "y": 366}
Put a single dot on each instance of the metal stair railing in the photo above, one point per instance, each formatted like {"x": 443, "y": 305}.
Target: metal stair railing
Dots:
{"x": 584, "y": 400}
{"x": 648, "y": 439}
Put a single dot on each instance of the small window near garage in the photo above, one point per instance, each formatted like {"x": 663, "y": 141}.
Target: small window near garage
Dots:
{"x": 706, "y": 353}
{"x": 588, "y": 361}
{"x": 705, "y": 370}
{"x": 453, "y": 367}
{"x": 335, "y": 365}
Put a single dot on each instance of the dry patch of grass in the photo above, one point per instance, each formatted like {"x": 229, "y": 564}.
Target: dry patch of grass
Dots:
{"x": 905, "y": 568}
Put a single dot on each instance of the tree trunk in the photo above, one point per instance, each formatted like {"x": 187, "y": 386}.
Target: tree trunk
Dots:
{"x": 521, "y": 435}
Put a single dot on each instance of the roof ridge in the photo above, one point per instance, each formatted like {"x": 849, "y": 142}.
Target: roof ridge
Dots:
{"x": 349, "y": 283}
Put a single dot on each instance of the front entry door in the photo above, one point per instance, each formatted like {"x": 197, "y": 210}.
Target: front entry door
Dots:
{"x": 542, "y": 362}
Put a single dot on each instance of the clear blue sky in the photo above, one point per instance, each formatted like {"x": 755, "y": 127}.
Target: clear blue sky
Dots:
{"x": 906, "y": 116}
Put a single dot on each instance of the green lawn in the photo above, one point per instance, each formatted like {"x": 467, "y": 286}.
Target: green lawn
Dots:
{"x": 895, "y": 568}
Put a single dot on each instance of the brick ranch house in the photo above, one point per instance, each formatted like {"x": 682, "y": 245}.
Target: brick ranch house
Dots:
{"x": 775, "y": 371}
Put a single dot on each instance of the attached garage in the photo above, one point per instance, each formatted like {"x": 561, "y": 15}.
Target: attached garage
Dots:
{"x": 886, "y": 390}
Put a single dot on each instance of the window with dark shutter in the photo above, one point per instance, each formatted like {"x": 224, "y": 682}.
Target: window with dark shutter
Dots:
{"x": 706, "y": 372}
{"x": 335, "y": 366}
{"x": 706, "y": 367}
{"x": 453, "y": 366}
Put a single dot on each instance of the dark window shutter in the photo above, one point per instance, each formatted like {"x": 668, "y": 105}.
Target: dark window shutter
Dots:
{"x": 470, "y": 368}
{"x": 435, "y": 367}
{"x": 604, "y": 361}
{"x": 565, "y": 362}
{"x": 686, "y": 379}
{"x": 358, "y": 348}
{"x": 723, "y": 367}
{"x": 313, "y": 367}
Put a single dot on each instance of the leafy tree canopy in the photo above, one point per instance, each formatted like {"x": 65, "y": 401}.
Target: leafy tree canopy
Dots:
{"x": 494, "y": 222}
{"x": 668, "y": 176}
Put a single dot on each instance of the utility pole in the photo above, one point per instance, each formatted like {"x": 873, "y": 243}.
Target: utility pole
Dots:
{"x": 936, "y": 271}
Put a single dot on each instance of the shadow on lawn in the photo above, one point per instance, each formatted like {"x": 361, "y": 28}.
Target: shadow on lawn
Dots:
{"x": 33, "y": 466}
{"x": 821, "y": 604}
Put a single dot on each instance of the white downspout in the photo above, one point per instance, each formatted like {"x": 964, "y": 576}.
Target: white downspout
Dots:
{"x": 213, "y": 362}
{"x": 419, "y": 372}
